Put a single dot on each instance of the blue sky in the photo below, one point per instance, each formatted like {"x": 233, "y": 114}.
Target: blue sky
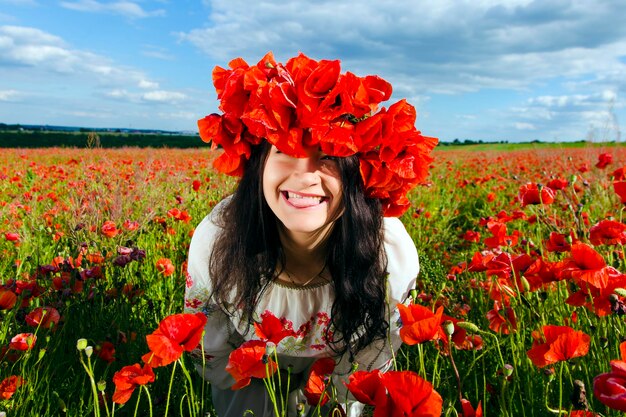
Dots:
{"x": 515, "y": 70}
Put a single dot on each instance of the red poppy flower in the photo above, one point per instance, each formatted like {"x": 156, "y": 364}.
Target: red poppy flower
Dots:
{"x": 558, "y": 184}
{"x": 608, "y": 232}
{"x": 468, "y": 410}
{"x": 106, "y": 351}
{"x": 165, "y": 267}
{"x": 619, "y": 174}
{"x": 315, "y": 388}
{"x": 7, "y": 299}
{"x": 12, "y": 237}
{"x": 44, "y": 317}
{"x": 130, "y": 225}
{"x": 610, "y": 388}
{"x": 196, "y": 185}
{"x": 557, "y": 242}
{"x": 179, "y": 215}
{"x": 395, "y": 393}
{"x": 419, "y": 324}
{"x": 128, "y": 378}
{"x": 539, "y": 273}
{"x": 9, "y": 385}
{"x": 23, "y": 341}
{"x": 471, "y": 236}
{"x": 271, "y": 329}
{"x": 488, "y": 261}
{"x": 583, "y": 413}
{"x": 499, "y": 236}
{"x": 250, "y": 361}
{"x": 365, "y": 386}
{"x": 176, "y": 333}
{"x": 584, "y": 264}
{"x": 410, "y": 395}
{"x": 532, "y": 193}
{"x": 598, "y": 299}
{"x": 620, "y": 189}
{"x": 499, "y": 323}
{"x": 562, "y": 343}
{"x": 109, "y": 229}
{"x": 604, "y": 159}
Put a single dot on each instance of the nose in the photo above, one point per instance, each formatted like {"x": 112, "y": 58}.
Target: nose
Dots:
{"x": 307, "y": 165}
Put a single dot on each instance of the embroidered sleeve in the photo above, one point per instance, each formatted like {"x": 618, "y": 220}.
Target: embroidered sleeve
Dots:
{"x": 220, "y": 337}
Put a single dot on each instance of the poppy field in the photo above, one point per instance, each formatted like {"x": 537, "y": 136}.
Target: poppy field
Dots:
{"x": 518, "y": 308}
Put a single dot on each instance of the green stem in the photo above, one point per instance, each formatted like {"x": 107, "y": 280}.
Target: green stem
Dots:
{"x": 169, "y": 390}
{"x": 149, "y": 399}
{"x": 192, "y": 397}
{"x": 137, "y": 403}
{"x": 560, "y": 387}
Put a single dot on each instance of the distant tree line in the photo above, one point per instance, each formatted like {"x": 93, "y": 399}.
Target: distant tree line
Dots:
{"x": 457, "y": 142}
{"x": 11, "y": 138}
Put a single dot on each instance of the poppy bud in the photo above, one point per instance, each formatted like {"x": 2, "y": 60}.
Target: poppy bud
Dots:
{"x": 270, "y": 349}
{"x": 102, "y": 385}
{"x": 81, "y": 344}
{"x": 89, "y": 351}
{"x": 448, "y": 327}
{"x": 525, "y": 284}
{"x": 470, "y": 327}
{"x": 620, "y": 291}
{"x": 42, "y": 352}
{"x": 413, "y": 294}
{"x": 579, "y": 396}
{"x": 507, "y": 371}
{"x": 572, "y": 179}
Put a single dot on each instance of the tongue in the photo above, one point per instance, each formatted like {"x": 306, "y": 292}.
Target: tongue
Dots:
{"x": 303, "y": 202}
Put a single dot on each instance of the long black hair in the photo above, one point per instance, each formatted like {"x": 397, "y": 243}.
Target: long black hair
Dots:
{"x": 248, "y": 250}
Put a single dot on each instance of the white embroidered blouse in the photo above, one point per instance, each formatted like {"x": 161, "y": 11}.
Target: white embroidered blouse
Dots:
{"x": 304, "y": 310}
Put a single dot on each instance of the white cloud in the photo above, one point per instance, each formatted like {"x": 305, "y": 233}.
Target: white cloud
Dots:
{"x": 569, "y": 117}
{"x": 146, "y": 84}
{"x": 155, "y": 96}
{"x": 30, "y": 47}
{"x": 436, "y": 46}
{"x": 125, "y": 8}
{"x": 163, "y": 96}
{"x": 119, "y": 94}
{"x": 8, "y": 95}
{"x": 184, "y": 115}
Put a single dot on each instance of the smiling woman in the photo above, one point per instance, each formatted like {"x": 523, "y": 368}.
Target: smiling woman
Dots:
{"x": 302, "y": 247}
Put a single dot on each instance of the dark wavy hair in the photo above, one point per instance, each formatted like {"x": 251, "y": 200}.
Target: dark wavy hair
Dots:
{"x": 248, "y": 250}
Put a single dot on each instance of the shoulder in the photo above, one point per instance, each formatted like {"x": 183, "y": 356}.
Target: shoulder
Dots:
{"x": 402, "y": 258}
{"x": 206, "y": 232}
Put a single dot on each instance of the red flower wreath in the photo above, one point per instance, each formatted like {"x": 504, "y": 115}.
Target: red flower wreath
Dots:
{"x": 307, "y": 103}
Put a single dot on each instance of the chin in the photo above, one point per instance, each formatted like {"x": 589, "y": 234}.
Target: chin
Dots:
{"x": 304, "y": 227}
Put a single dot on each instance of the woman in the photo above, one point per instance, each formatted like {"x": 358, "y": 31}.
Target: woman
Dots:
{"x": 303, "y": 238}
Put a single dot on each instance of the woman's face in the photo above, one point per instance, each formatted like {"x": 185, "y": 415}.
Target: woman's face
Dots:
{"x": 304, "y": 193}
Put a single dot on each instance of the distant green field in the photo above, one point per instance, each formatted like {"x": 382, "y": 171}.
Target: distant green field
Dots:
{"x": 526, "y": 145}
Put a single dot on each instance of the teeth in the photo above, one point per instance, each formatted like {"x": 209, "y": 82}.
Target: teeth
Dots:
{"x": 312, "y": 198}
